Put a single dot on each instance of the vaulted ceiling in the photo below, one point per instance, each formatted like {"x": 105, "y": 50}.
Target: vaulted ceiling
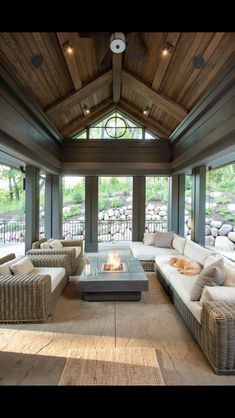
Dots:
{"x": 168, "y": 85}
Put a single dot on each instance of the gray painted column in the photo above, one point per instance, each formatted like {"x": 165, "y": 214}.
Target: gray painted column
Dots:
{"x": 138, "y": 209}
{"x": 198, "y": 204}
{"x": 31, "y": 206}
{"x": 53, "y": 206}
{"x": 91, "y": 214}
{"x": 176, "y": 204}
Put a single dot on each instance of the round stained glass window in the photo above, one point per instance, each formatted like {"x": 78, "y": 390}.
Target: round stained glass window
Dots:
{"x": 116, "y": 127}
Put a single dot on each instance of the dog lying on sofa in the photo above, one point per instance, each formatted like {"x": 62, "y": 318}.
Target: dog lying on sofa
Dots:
{"x": 188, "y": 267}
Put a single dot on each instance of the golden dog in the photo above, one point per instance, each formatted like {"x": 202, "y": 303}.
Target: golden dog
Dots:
{"x": 188, "y": 267}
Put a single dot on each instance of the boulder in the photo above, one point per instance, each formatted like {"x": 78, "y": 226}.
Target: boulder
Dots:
{"x": 225, "y": 229}
{"x": 231, "y": 236}
{"x": 224, "y": 243}
{"x": 214, "y": 232}
{"x": 110, "y": 212}
{"x": 162, "y": 213}
{"x": 231, "y": 207}
{"x": 209, "y": 241}
{"x": 216, "y": 224}
{"x": 100, "y": 216}
{"x": 207, "y": 230}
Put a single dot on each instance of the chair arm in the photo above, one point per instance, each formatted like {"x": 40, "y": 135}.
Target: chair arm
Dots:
{"x": 218, "y": 334}
{"x": 70, "y": 252}
{"x": 7, "y": 257}
{"x": 51, "y": 261}
{"x": 25, "y": 297}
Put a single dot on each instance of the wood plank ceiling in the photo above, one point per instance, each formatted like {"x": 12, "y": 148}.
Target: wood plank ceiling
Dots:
{"x": 168, "y": 85}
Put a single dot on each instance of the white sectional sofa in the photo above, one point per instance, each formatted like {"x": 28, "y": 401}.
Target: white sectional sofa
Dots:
{"x": 211, "y": 319}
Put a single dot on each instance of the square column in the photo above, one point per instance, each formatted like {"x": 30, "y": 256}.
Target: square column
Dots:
{"x": 198, "y": 204}
{"x": 138, "y": 210}
{"x": 176, "y": 204}
{"x": 91, "y": 214}
{"x": 31, "y": 206}
{"x": 53, "y": 206}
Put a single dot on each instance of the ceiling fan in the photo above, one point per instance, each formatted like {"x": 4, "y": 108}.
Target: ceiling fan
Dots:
{"x": 119, "y": 42}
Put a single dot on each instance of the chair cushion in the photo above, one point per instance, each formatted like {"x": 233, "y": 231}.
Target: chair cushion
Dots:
{"x": 212, "y": 275}
{"x": 56, "y": 273}
{"x": 23, "y": 266}
{"x": 56, "y": 244}
{"x": 146, "y": 253}
{"x": 5, "y": 267}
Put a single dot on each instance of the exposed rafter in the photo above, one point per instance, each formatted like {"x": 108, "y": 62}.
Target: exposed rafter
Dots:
{"x": 80, "y": 95}
{"x": 71, "y": 59}
{"x": 163, "y": 102}
{"x": 80, "y": 123}
{"x": 132, "y": 111}
{"x": 117, "y": 77}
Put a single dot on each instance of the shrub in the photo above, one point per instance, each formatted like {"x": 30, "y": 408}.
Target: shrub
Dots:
{"x": 222, "y": 200}
{"x": 103, "y": 203}
{"x": 77, "y": 197}
{"x": 116, "y": 203}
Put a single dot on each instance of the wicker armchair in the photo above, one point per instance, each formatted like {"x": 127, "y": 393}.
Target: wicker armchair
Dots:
{"x": 29, "y": 297}
{"x": 74, "y": 261}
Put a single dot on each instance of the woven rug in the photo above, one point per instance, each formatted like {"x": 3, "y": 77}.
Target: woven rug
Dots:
{"x": 112, "y": 367}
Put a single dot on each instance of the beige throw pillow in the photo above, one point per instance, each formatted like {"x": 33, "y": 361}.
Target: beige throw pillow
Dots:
{"x": 44, "y": 246}
{"x": 163, "y": 239}
{"x": 149, "y": 238}
{"x": 56, "y": 244}
{"x": 5, "y": 269}
{"x": 212, "y": 275}
{"x": 23, "y": 266}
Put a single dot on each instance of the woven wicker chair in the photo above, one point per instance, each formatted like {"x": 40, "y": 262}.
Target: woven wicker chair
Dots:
{"x": 74, "y": 262}
{"x": 28, "y": 297}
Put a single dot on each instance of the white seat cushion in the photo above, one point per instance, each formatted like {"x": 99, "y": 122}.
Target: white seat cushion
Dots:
{"x": 148, "y": 252}
{"x": 56, "y": 273}
{"x": 183, "y": 285}
{"x": 165, "y": 266}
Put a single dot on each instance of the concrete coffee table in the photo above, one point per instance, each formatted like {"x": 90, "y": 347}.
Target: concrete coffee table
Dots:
{"x": 113, "y": 286}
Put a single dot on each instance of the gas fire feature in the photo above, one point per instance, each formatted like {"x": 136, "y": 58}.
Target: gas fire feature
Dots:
{"x": 113, "y": 263}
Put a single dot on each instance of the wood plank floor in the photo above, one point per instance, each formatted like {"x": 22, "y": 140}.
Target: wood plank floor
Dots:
{"x": 35, "y": 354}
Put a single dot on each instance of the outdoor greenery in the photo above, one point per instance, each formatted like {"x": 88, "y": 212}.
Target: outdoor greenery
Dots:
{"x": 117, "y": 191}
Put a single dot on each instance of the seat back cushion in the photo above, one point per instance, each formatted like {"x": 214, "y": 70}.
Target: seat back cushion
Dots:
{"x": 196, "y": 252}
{"x": 5, "y": 268}
{"x": 56, "y": 244}
{"x": 23, "y": 266}
{"x": 149, "y": 238}
{"x": 179, "y": 243}
{"x": 163, "y": 239}
{"x": 212, "y": 275}
{"x": 218, "y": 293}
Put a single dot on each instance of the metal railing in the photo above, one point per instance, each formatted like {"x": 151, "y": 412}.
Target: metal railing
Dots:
{"x": 111, "y": 230}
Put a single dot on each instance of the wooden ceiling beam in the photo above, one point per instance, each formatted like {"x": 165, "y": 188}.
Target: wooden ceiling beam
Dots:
{"x": 133, "y": 112}
{"x": 81, "y": 123}
{"x": 70, "y": 59}
{"x": 117, "y": 77}
{"x": 80, "y": 95}
{"x": 166, "y": 104}
{"x": 172, "y": 39}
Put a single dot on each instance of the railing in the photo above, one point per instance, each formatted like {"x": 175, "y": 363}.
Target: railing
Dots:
{"x": 108, "y": 231}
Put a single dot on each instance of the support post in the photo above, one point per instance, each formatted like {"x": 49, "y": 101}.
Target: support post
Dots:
{"x": 53, "y": 206}
{"x": 198, "y": 204}
{"x": 176, "y": 204}
{"x": 138, "y": 210}
{"x": 91, "y": 214}
{"x": 31, "y": 206}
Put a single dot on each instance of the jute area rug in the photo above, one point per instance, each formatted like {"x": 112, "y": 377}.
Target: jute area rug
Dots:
{"x": 112, "y": 367}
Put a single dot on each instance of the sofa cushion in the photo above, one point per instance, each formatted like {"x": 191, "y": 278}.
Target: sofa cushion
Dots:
{"x": 56, "y": 244}
{"x": 229, "y": 275}
{"x": 23, "y": 266}
{"x": 5, "y": 267}
{"x": 56, "y": 273}
{"x": 149, "y": 238}
{"x": 183, "y": 285}
{"x": 218, "y": 293}
{"x": 165, "y": 267}
{"x": 163, "y": 239}
{"x": 213, "y": 275}
{"x": 146, "y": 253}
{"x": 178, "y": 243}
{"x": 45, "y": 245}
{"x": 196, "y": 252}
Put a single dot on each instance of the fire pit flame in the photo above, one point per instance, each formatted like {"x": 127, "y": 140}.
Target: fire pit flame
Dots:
{"x": 113, "y": 262}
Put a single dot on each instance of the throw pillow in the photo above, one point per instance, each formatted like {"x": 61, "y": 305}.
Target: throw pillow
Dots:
{"x": 212, "y": 275}
{"x": 178, "y": 243}
{"x": 5, "y": 268}
{"x": 56, "y": 244}
{"x": 23, "y": 266}
{"x": 45, "y": 245}
{"x": 163, "y": 239}
{"x": 149, "y": 238}
{"x": 218, "y": 293}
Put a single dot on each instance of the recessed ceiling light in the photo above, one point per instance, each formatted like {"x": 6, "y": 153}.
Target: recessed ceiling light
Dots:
{"x": 67, "y": 47}
{"x": 146, "y": 111}
{"x": 198, "y": 62}
{"x": 37, "y": 60}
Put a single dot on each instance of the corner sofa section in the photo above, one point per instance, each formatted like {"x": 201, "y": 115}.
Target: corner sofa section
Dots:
{"x": 211, "y": 322}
